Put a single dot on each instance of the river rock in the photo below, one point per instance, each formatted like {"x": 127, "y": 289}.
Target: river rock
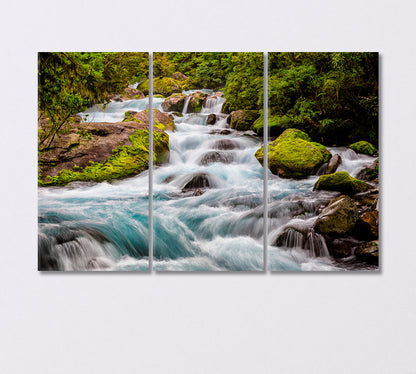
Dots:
{"x": 95, "y": 142}
{"x": 338, "y": 218}
{"x": 367, "y": 225}
{"x": 216, "y": 156}
{"x": 220, "y": 132}
{"x": 196, "y": 102}
{"x": 333, "y": 164}
{"x": 161, "y": 120}
{"x": 242, "y": 120}
{"x": 132, "y": 93}
{"x": 211, "y": 119}
{"x": 342, "y": 247}
{"x": 292, "y": 155}
{"x": 370, "y": 173}
{"x": 363, "y": 147}
{"x": 225, "y": 144}
{"x": 174, "y": 103}
{"x": 197, "y": 181}
{"x": 341, "y": 181}
{"x": 368, "y": 252}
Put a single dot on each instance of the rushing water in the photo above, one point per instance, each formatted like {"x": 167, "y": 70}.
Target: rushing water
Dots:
{"x": 97, "y": 226}
{"x": 208, "y": 207}
{"x": 293, "y": 209}
{"x": 217, "y": 225}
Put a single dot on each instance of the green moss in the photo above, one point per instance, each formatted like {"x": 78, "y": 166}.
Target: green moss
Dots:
{"x": 162, "y": 86}
{"x": 124, "y": 162}
{"x": 363, "y": 147}
{"x": 341, "y": 181}
{"x": 129, "y": 117}
{"x": 325, "y": 153}
{"x": 292, "y": 155}
{"x": 294, "y": 134}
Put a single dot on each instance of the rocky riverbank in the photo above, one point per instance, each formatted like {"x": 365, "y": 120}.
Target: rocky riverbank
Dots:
{"x": 99, "y": 151}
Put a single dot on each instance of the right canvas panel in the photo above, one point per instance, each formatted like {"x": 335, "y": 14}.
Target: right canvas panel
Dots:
{"x": 323, "y": 161}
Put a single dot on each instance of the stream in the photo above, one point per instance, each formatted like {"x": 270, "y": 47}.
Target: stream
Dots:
{"x": 208, "y": 206}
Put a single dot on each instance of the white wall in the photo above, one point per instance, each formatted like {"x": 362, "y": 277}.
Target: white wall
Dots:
{"x": 222, "y": 323}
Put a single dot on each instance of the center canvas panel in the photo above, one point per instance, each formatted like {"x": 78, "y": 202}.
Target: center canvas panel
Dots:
{"x": 208, "y": 187}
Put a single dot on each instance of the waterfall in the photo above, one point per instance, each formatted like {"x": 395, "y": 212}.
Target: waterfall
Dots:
{"x": 213, "y": 105}
{"x": 185, "y": 105}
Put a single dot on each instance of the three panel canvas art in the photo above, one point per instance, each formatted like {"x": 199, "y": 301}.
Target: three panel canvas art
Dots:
{"x": 158, "y": 162}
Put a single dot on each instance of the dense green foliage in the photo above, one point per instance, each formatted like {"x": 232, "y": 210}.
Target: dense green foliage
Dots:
{"x": 239, "y": 74}
{"x": 331, "y": 96}
{"x": 68, "y": 82}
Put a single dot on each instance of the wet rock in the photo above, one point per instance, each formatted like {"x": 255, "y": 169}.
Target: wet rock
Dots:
{"x": 225, "y": 144}
{"x": 370, "y": 173}
{"x": 368, "y": 252}
{"x": 342, "y": 182}
{"x": 333, "y": 164}
{"x": 211, "y": 119}
{"x": 174, "y": 103}
{"x": 162, "y": 121}
{"x": 342, "y": 247}
{"x": 169, "y": 179}
{"x": 196, "y": 102}
{"x": 367, "y": 225}
{"x": 132, "y": 93}
{"x": 197, "y": 181}
{"x": 292, "y": 155}
{"x": 295, "y": 236}
{"x": 215, "y": 156}
{"x": 338, "y": 218}
{"x": 220, "y": 132}
{"x": 198, "y": 192}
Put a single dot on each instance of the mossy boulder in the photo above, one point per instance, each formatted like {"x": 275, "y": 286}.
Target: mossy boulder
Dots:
{"x": 164, "y": 86}
{"x": 174, "y": 103}
{"x": 338, "y": 218}
{"x": 112, "y": 151}
{"x": 196, "y": 102}
{"x": 293, "y": 155}
{"x": 341, "y": 181}
{"x": 162, "y": 121}
{"x": 242, "y": 120}
{"x": 131, "y": 94}
{"x": 325, "y": 153}
{"x": 363, "y": 147}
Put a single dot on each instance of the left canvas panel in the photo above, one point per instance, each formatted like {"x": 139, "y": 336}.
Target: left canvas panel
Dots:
{"x": 93, "y": 159}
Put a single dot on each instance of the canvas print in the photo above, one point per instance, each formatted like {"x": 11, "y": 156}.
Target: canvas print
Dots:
{"x": 323, "y": 161}
{"x": 208, "y": 192}
{"x": 93, "y": 156}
